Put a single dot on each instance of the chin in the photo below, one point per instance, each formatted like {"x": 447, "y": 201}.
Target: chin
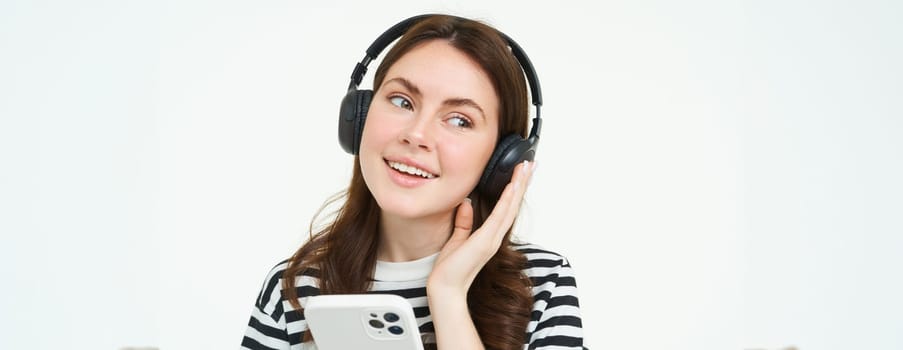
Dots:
{"x": 404, "y": 209}
{"x": 411, "y": 209}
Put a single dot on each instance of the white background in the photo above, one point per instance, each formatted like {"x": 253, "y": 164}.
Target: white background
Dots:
{"x": 722, "y": 175}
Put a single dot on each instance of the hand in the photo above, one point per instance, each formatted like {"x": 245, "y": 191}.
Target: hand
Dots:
{"x": 465, "y": 254}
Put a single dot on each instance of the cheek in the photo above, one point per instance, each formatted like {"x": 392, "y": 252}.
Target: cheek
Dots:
{"x": 376, "y": 132}
{"x": 468, "y": 159}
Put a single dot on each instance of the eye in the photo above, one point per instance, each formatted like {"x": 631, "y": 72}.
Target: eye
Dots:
{"x": 459, "y": 121}
{"x": 401, "y": 102}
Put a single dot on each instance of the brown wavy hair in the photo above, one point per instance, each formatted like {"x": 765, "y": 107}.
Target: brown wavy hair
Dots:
{"x": 343, "y": 252}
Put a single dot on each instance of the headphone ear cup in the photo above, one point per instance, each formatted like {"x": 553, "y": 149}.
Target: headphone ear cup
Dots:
{"x": 352, "y": 115}
{"x": 511, "y": 151}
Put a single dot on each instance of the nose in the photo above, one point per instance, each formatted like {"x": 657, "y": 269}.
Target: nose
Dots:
{"x": 418, "y": 134}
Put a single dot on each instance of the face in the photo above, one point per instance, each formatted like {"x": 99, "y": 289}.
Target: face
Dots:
{"x": 430, "y": 130}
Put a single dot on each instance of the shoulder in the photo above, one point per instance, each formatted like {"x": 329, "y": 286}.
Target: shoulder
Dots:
{"x": 555, "y": 321}
{"x": 547, "y": 269}
{"x": 270, "y": 296}
{"x": 271, "y": 299}
{"x": 540, "y": 257}
{"x": 274, "y": 322}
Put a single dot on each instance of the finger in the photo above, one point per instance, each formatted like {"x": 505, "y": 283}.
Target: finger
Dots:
{"x": 463, "y": 220}
{"x": 524, "y": 172}
{"x": 506, "y": 208}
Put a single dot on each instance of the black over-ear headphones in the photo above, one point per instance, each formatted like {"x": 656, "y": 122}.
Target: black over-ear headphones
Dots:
{"x": 511, "y": 149}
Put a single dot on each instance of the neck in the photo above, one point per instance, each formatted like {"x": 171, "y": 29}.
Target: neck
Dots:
{"x": 406, "y": 239}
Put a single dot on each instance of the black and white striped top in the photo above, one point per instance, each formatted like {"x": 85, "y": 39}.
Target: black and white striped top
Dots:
{"x": 555, "y": 321}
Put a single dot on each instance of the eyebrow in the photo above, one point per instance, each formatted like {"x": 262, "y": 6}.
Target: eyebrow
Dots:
{"x": 454, "y": 102}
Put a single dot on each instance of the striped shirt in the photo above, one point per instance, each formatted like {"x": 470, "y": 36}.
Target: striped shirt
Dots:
{"x": 554, "y": 323}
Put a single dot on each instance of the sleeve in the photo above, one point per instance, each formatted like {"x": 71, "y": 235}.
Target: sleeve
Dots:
{"x": 555, "y": 322}
{"x": 267, "y": 326}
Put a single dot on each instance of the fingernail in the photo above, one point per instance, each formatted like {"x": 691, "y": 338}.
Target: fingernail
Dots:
{"x": 532, "y": 173}
{"x": 467, "y": 199}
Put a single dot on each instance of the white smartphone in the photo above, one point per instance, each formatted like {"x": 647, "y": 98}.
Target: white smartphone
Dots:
{"x": 362, "y": 321}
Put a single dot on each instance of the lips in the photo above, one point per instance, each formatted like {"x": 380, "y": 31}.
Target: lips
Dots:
{"x": 410, "y": 169}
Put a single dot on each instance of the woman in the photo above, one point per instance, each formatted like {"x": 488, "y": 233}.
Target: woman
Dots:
{"x": 445, "y": 95}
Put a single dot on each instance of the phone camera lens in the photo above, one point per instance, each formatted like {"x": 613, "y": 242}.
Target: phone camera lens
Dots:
{"x": 396, "y": 330}
{"x": 377, "y": 324}
{"x": 390, "y": 317}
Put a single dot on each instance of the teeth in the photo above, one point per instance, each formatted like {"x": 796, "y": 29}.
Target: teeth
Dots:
{"x": 410, "y": 170}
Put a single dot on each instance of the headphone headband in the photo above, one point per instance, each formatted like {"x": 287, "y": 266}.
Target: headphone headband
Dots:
{"x": 400, "y": 28}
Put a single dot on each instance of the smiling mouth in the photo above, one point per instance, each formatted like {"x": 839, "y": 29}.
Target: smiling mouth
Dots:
{"x": 411, "y": 170}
